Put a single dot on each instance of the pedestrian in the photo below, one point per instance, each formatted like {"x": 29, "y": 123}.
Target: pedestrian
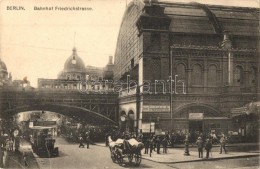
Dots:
{"x": 165, "y": 143}
{"x": 222, "y": 144}
{"x": 172, "y": 139}
{"x": 158, "y": 144}
{"x": 81, "y": 142}
{"x": 208, "y": 147}
{"x": 11, "y": 144}
{"x": 106, "y": 139}
{"x": 87, "y": 140}
{"x": 151, "y": 145}
{"x": 140, "y": 138}
{"x": 2, "y": 149}
{"x": 186, "y": 144}
{"x": 7, "y": 144}
{"x": 154, "y": 142}
{"x": 146, "y": 145}
{"x": 214, "y": 138}
{"x": 16, "y": 143}
{"x": 199, "y": 143}
{"x": 25, "y": 160}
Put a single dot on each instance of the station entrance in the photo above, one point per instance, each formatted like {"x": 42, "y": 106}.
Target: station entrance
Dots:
{"x": 195, "y": 126}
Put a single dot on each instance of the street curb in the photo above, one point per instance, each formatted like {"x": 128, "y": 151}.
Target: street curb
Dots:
{"x": 204, "y": 159}
{"x": 210, "y": 159}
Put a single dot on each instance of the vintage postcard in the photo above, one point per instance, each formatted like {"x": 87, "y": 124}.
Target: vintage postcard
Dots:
{"x": 107, "y": 84}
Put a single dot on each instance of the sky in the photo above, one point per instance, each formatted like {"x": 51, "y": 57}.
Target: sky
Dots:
{"x": 36, "y": 44}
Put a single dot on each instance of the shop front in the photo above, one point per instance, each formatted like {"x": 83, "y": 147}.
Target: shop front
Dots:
{"x": 201, "y": 120}
{"x": 246, "y": 120}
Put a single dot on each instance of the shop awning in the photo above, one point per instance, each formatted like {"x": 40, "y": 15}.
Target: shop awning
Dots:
{"x": 250, "y": 108}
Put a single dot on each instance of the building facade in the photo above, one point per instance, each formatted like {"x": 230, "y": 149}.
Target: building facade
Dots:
{"x": 186, "y": 66}
{"x": 76, "y": 76}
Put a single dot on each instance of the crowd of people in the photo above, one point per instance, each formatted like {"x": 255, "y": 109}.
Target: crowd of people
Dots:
{"x": 154, "y": 143}
{"x": 72, "y": 133}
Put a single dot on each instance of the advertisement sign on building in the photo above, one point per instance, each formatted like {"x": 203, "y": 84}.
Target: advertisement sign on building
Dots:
{"x": 196, "y": 116}
{"x": 44, "y": 123}
{"x": 156, "y": 108}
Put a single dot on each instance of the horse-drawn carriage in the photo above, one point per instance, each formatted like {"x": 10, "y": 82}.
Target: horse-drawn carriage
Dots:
{"x": 121, "y": 149}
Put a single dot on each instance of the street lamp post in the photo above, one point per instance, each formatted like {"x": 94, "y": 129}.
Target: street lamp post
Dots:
{"x": 138, "y": 107}
{"x": 171, "y": 113}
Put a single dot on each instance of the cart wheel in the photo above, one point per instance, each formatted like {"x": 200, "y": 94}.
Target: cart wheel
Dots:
{"x": 120, "y": 159}
{"x": 130, "y": 158}
{"x": 113, "y": 157}
{"x": 138, "y": 159}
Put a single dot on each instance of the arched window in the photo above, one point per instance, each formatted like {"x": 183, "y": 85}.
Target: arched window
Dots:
{"x": 252, "y": 76}
{"x": 238, "y": 76}
{"x": 212, "y": 76}
{"x": 196, "y": 75}
{"x": 180, "y": 71}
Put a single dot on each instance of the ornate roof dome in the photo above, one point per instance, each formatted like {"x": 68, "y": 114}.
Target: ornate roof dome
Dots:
{"x": 74, "y": 63}
{"x": 3, "y": 67}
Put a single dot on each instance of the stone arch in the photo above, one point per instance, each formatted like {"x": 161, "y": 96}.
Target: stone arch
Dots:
{"x": 213, "y": 64}
{"x": 181, "y": 112}
{"x": 181, "y": 62}
{"x": 123, "y": 113}
{"x": 241, "y": 65}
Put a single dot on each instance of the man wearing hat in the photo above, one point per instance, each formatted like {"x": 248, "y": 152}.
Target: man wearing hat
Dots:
{"x": 199, "y": 143}
{"x": 208, "y": 147}
{"x": 186, "y": 143}
{"x": 223, "y": 144}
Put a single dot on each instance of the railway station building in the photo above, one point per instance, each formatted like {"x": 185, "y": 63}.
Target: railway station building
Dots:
{"x": 185, "y": 66}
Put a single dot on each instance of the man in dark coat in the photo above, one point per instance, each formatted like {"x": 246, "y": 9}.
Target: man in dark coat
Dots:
{"x": 165, "y": 143}
{"x": 151, "y": 145}
{"x": 208, "y": 147}
{"x": 87, "y": 139}
{"x": 199, "y": 143}
{"x": 146, "y": 145}
{"x": 158, "y": 144}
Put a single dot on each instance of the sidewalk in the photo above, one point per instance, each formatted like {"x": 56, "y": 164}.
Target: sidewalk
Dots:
{"x": 16, "y": 159}
{"x": 176, "y": 155}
